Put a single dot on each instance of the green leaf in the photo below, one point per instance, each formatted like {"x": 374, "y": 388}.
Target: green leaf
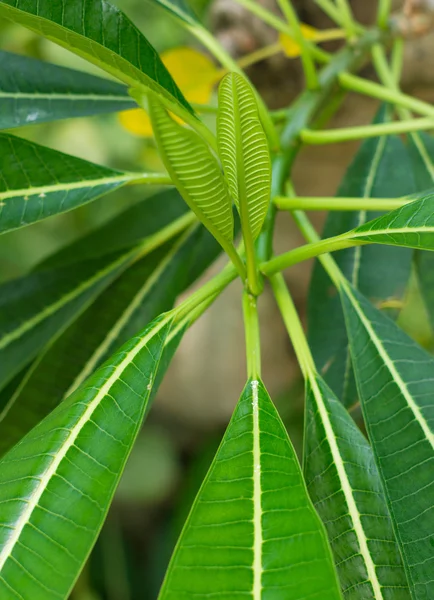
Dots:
{"x": 243, "y": 150}
{"x": 32, "y": 91}
{"x": 37, "y": 182}
{"x": 411, "y": 226}
{"x": 195, "y": 172}
{"x": 252, "y": 531}
{"x": 381, "y": 168}
{"x": 145, "y": 290}
{"x": 395, "y": 379}
{"x": 347, "y": 492}
{"x": 101, "y": 34}
{"x": 37, "y": 307}
{"x": 52, "y": 511}
{"x": 180, "y": 9}
{"x": 425, "y": 274}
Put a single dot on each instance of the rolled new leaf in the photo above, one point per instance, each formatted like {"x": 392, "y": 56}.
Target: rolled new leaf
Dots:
{"x": 243, "y": 150}
{"x": 57, "y": 484}
{"x": 196, "y": 173}
{"x": 37, "y": 182}
{"x": 395, "y": 380}
{"x": 252, "y": 531}
{"x": 100, "y": 33}
{"x": 33, "y": 91}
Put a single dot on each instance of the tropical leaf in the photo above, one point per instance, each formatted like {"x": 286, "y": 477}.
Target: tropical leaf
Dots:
{"x": 52, "y": 510}
{"x": 146, "y": 289}
{"x": 347, "y": 492}
{"x": 32, "y": 91}
{"x": 38, "y": 306}
{"x": 395, "y": 379}
{"x": 381, "y": 168}
{"x": 195, "y": 172}
{"x": 100, "y": 33}
{"x": 243, "y": 149}
{"x": 252, "y": 531}
{"x": 37, "y": 182}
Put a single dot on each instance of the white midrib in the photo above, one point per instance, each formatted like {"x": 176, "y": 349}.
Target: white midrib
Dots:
{"x": 391, "y": 231}
{"x": 74, "y": 185}
{"x": 391, "y": 367}
{"x": 124, "y": 318}
{"x": 33, "y": 501}
{"x": 66, "y": 96}
{"x": 347, "y": 490}
{"x": 257, "y": 504}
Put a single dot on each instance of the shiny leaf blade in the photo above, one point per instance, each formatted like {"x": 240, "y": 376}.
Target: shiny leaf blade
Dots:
{"x": 195, "y": 172}
{"x": 32, "y": 91}
{"x": 395, "y": 379}
{"x": 253, "y": 532}
{"x": 37, "y": 182}
{"x": 52, "y": 510}
{"x": 146, "y": 289}
{"x": 243, "y": 149}
{"x": 100, "y": 33}
{"x": 347, "y": 492}
{"x": 381, "y": 168}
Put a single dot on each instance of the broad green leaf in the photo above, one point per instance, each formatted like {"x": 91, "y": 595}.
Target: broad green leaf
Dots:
{"x": 100, "y": 33}
{"x": 395, "y": 379}
{"x": 381, "y": 168}
{"x": 32, "y": 91}
{"x": 56, "y": 485}
{"x": 347, "y": 492}
{"x": 195, "y": 172}
{"x": 243, "y": 150}
{"x": 145, "y": 290}
{"x": 37, "y": 182}
{"x": 252, "y": 531}
{"x": 37, "y": 307}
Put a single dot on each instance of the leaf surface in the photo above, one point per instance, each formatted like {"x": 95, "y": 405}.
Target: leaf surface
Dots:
{"x": 52, "y": 510}
{"x": 179, "y": 8}
{"x": 37, "y": 182}
{"x": 195, "y": 172}
{"x": 243, "y": 149}
{"x": 33, "y": 91}
{"x": 382, "y": 169}
{"x": 100, "y": 33}
{"x": 395, "y": 379}
{"x": 145, "y": 290}
{"x": 252, "y": 531}
{"x": 346, "y": 489}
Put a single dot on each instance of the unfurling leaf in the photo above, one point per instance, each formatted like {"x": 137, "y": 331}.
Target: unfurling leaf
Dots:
{"x": 195, "y": 172}
{"x": 243, "y": 150}
{"x": 252, "y": 531}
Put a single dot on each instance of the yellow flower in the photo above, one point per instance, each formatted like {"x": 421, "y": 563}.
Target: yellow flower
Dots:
{"x": 195, "y": 75}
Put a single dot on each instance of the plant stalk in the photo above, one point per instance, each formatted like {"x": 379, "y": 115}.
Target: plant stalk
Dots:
{"x": 253, "y": 344}
{"x": 383, "y": 13}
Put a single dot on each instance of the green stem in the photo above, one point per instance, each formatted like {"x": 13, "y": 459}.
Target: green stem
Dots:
{"x": 397, "y": 60}
{"x": 253, "y": 344}
{"x": 293, "y": 324}
{"x": 383, "y": 13}
{"x": 209, "y": 41}
{"x": 376, "y": 90}
{"x": 254, "y": 57}
{"x": 347, "y": 17}
{"x": 332, "y": 136}
{"x": 150, "y": 178}
{"x": 314, "y": 203}
{"x": 306, "y": 58}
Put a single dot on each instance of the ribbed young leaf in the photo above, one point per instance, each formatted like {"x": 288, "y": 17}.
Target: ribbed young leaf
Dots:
{"x": 38, "y": 306}
{"x": 145, "y": 290}
{"x": 195, "y": 172}
{"x": 346, "y": 489}
{"x": 411, "y": 225}
{"x": 56, "y": 485}
{"x": 99, "y": 32}
{"x": 37, "y": 182}
{"x": 252, "y": 531}
{"x": 33, "y": 91}
{"x": 243, "y": 149}
{"x": 395, "y": 379}
{"x": 381, "y": 168}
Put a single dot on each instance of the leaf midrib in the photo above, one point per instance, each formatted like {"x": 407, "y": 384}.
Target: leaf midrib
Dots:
{"x": 70, "y": 96}
{"x": 257, "y": 504}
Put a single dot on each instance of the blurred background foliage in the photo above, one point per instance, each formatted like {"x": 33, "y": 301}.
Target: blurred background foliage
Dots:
{"x": 172, "y": 454}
